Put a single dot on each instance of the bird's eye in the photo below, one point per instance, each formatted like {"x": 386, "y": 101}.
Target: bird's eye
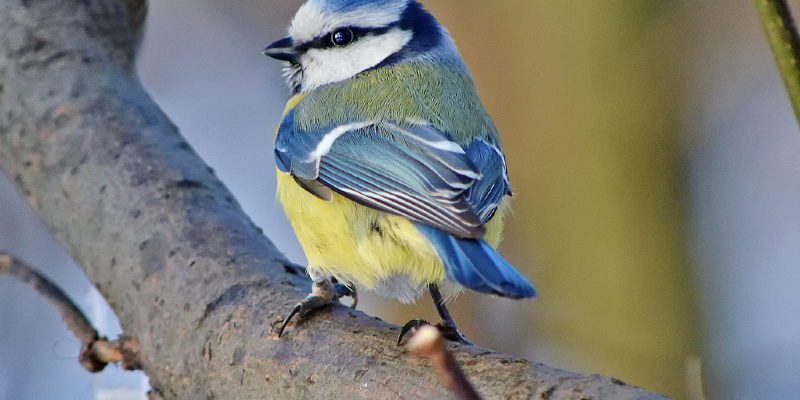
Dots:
{"x": 342, "y": 37}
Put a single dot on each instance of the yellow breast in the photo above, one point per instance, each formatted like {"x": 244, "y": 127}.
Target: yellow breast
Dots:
{"x": 344, "y": 239}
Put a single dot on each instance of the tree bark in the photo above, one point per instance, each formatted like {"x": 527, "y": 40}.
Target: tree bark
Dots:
{"x": 187, "y": 272}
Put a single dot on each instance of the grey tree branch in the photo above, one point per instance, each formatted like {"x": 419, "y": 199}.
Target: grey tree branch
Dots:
{"x": 96, "y": 351}
{"x": 187, "y": 272}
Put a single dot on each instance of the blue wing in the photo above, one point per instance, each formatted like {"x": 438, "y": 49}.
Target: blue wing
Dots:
{"x": 411, "y": 170}
{"x": 415, "y": 171}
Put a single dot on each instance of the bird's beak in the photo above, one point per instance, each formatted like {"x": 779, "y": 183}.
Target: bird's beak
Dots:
{"x": 282, "y": 50}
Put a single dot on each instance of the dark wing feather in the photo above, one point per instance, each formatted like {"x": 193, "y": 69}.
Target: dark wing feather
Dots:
{"x": 487, "y": 193}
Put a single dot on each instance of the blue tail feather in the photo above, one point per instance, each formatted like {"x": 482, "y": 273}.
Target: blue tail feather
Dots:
{"x": 474, "y": 264}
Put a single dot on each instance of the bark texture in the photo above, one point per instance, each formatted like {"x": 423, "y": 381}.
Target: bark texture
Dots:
{"x": 187, "y": 272}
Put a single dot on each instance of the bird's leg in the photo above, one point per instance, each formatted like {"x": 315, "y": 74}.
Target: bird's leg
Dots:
{"x": 447, "y": 326}
{"x": 323, "y": 292}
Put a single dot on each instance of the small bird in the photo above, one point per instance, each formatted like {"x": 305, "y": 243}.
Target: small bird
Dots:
{"x": 390, "y": 169}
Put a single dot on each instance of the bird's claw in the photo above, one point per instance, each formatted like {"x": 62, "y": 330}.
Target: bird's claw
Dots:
{"x": 322, "y": 294}
{"x": 310, "y": 303}
{"x": 411, "y": 326}
{"x": 449, "y": 331}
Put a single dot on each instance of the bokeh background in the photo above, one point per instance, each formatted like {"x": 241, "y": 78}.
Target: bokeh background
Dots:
{"x": 654, "y": 159}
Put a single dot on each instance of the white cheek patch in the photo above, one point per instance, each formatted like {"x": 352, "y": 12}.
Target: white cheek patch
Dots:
{"x": 325, "y": 66}
{"x": 313, "y": 20}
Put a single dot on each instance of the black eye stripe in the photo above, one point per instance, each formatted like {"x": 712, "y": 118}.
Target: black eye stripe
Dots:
{"x": 324, "y": 41}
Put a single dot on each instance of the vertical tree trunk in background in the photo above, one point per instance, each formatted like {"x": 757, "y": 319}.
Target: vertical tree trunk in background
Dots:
{"x": 745, "y": 170}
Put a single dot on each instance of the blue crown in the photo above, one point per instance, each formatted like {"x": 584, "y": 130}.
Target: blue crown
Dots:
{"x": 352, "y": 5}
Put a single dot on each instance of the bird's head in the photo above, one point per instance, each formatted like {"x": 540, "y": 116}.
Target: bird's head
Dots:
{"x": 333, "y": 40}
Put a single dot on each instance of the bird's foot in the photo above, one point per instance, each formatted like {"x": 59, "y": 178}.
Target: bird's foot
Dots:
{"x": 344, "y": 290}
{"x": 448, "y": 330}
{"x": 447, "y": 326}
{"x": 322, "y": 294}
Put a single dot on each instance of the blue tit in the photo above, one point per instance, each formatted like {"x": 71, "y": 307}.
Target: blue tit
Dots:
{"x": 390, "y": 169}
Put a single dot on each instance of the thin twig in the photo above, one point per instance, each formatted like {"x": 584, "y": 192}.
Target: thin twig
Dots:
{"x": 783, "y": 39}
{"x": 96, "y": 352}
{"x": 429, "y": 344}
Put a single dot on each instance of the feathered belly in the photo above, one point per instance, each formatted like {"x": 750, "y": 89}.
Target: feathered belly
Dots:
{"x": 344, "y": 239}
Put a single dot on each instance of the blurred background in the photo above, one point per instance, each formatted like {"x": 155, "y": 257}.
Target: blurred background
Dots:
{"x": 655, "y": 163}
